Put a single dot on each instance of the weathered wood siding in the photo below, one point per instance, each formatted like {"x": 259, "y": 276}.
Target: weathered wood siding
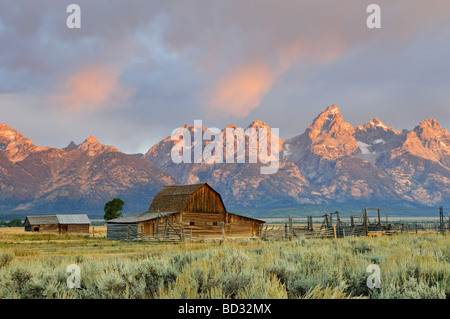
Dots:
{"x": 60, "y": 229}
{"x": 206, "y": 225}
{"x": 27, "y": 226}
{"x": 219, "y": 225}
{"x": 203, "y": 225}
{"x": 122, "y": 231}
{"x": 77, "y": 228}
{"x": 240, "y": 226}
{"x": 191, "y": 211}
{"x": 149, "y": 227}
{"x": 52, "y": 228}
{"x": 205, "y": 199}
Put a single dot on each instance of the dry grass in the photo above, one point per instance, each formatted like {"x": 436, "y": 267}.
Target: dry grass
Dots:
{"x": 34, "y": 266}
{"x": 94, "y": 231}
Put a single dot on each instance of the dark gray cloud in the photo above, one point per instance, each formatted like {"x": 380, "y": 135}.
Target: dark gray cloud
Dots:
{"x": 138, "y": 69}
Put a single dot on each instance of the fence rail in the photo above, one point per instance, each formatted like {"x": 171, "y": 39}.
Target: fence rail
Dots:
{"x": 332, "y": 226}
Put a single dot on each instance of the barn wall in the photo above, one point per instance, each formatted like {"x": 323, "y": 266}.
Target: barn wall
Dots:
{"x": 151, "y": 227}
{"x": 52, "y": 228}
{"x": 27, "y": 225}
{"x": 240, "y": 226}
{"x": 203, "y": 224}
{"x": 205, "y": 199}
{"x": 120, "y": 231}
{"x": 78, "y": 228}
{"x": 234, "y": 226}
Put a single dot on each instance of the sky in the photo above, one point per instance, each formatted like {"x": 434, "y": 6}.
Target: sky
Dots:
{"x": 137, "y": 70}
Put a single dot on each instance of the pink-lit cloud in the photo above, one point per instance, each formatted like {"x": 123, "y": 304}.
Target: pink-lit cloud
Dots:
{"x": 93, "y": 87}
{"x": 236, "y": 61}
{"x": 241, "y": 90}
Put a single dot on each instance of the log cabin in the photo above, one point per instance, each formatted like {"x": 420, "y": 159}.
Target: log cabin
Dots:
{"x": 58, "y": 224}
{"x": 184, "y": 211}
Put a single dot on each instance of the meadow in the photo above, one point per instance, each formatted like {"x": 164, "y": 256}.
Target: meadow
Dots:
{"x": 411, "y": 266}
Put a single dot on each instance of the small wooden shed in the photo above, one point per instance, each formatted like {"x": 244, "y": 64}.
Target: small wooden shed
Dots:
{"x": 58, "y": 224}
{"x": 184, "y": 211}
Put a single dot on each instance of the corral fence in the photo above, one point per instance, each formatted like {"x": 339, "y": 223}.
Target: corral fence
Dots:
{"x": 369, "y": 223}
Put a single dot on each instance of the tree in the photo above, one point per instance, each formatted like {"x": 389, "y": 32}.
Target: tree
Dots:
{"x": 16, "y": 222}
{"x": 113, "y": 209}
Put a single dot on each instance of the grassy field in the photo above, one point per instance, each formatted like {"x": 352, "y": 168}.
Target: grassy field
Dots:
{"x": 34, "y": 266}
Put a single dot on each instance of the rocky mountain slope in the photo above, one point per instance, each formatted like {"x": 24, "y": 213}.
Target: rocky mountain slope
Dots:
{"x": 331, "y": 162}
{"x": 373, "y": 162}
{"x": 77, "y": 178}
{"x": 240, "y": 183}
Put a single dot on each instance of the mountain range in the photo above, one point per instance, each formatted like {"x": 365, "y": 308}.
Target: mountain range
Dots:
{"x": 330, "y": 163}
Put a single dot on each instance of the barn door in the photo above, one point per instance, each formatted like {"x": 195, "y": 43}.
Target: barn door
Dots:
{"x": 63, "y": 229}
{"x": 149, "y": 228}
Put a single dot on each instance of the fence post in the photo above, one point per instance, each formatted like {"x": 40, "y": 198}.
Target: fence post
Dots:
{"x": 366, "y": 221}
{"x": 223, "y": 230}
{"x": 290, "y": 226}
{"x": 166, "y": 227}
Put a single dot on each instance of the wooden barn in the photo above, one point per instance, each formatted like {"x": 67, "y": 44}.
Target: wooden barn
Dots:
{"x": 57, "y": 224}
{"x": 187, "y": 211}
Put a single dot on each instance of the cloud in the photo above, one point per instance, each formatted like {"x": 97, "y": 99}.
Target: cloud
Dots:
{"x": 93, "y": 87}
{"x": 170, "y": 62}
{"x": 240, "y": 91}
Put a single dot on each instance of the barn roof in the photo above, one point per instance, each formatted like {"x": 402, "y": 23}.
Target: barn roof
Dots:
{"x": 43, "y": 220}
{"x": 173, "y": 198}
{"x": 58, "y": 219}
{"x": 73, "y": 219}
{"x": 136, "y": 218}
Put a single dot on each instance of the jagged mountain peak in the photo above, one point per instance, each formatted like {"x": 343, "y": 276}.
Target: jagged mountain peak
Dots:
{"x": 375, "y": 123}
{"x": 329, "y": 136}
{"x": 231, "y": 126}
{"x": 333, "y": 109}
{"x": 191, "y": 128}
{"x": 432, "y": 137}
{"x": 330, "y": 122}
{"x": 8, "y": 132}
{"x": 94, "y": 147}
{"x": 4, "y": 126}
{"x": 430, "y": 129}
{"x": 430, "y": 124}
{"x": 71, "y": 146}
{"x": 258, "y": 124}
{"x": 16, "y": 146}
{"x": 91, "y": 139}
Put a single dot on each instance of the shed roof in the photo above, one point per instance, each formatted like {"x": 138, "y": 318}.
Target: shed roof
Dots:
{"x": 136, "y": 218}
{"x": 73, "y": 219}
{"x": 58, "y": 219}
{"x": 42, "y": 220}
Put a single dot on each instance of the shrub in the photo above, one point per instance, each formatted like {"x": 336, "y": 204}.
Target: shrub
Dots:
{"x": 6, "y": 258}
{"x": 412, "y": 289}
